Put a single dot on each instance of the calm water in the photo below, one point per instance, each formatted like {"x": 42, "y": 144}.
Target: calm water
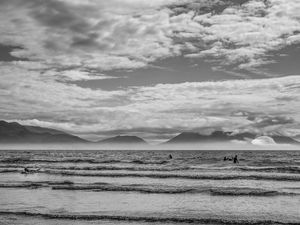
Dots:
{"x": 147, "y": 187}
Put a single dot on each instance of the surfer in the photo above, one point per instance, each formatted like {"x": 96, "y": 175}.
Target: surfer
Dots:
{"x": 225, "y": 158}
{"x": 170, "y": 156}
{"x": 235, "y": 159}
{"x": 26, "y": 170}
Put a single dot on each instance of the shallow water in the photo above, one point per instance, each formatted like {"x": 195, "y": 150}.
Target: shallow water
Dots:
{"x": 144, "y": 187}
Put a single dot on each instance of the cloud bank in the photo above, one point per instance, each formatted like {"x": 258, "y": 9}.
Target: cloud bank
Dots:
{"x": 158, "y": 111}
{"x": 106, "y": 35}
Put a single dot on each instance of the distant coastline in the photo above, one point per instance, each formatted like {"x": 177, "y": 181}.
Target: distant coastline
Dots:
{"x": 15, "y": 133}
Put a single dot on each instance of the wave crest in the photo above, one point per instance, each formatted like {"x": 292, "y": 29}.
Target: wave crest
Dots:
{"x": 82, "y": 160}
{"x": 154, "y": 189}
{"x": 146, "y": 218}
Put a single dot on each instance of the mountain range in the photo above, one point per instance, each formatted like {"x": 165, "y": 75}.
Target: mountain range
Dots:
{"x": 17, "y": 133}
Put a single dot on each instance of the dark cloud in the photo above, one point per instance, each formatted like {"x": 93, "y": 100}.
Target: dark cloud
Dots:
{"x": 286, "y": 98}
{"x": 88, "y": 40}
{"x": 6, "y": 53}
{"x": 57, "y": 14}
{"x": 203, "y": 7}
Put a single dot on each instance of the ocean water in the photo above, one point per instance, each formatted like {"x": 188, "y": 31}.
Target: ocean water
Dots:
{"x": 147, "y": 187}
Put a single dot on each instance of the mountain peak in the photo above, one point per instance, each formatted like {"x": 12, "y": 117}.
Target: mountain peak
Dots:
{"x": 123, "y": 140}
{"x": 186, "y": 137}
{"x": 16, "y": 133}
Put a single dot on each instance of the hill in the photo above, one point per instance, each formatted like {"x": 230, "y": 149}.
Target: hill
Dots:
{"x": 17, "y": 133}
{"x": 123, "y": 140}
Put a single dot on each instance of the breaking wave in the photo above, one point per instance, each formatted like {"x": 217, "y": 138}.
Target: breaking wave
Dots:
{"x": 9, "y": 164}
{"x": 180, "y": 176}
{"x": 82, "y": 160}
{"x": 177, "y": 190}
{"x": 87, "y": 173}
{"x": 95, "y": 168}
{"x": 277, "y": 169}
{"x": 149, "y": 219}
{"x": 151, "y": 189}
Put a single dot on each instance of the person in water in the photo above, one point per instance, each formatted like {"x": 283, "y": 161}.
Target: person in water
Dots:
{"x": 225, "y": 158}
{"x": 170, "y": 156}
{"x": 26, "y": 170}
{"x": 235, "y": 159}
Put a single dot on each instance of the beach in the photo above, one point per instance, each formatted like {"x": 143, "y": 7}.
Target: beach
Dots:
{"x": 149, "y": 187}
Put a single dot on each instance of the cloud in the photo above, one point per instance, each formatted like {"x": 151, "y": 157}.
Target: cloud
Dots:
{"x": 77, "y": 75}
{"x": 242, "y": 35}
{"x": 264, "y": 121}
{"x": 131, "y": 34}
{"x": 91, "y": 35}
{"x": 237, "y": 105}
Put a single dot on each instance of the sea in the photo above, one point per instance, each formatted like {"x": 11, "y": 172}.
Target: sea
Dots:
{"x": 149, "y": 187}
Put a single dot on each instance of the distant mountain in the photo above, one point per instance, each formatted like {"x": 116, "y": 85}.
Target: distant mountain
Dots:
{"x": 43, "y": 130}
{"x": 17, "y": 133}
{"x": 187, "y": 137}
{"x": 221, "y": 136}
{"x": 123, "y": 140}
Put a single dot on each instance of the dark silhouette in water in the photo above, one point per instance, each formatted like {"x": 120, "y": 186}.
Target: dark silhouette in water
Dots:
{"x": 235, "y": 159}
{"x": 170, "y": 156}
{"x": 26, "y": 170}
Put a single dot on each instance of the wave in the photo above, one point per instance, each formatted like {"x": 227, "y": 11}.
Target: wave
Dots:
{"x": 178, "y": 190}
{"x": 170, "y": 168}
{"x": 274, "y": 177}
{"x": 277, "y": 169}
{"x": 247, "y": 192}
{"x": 147, "y": 219}
{"x": 30, "y": 165}
{"x": 29, "y": 185}
{"x": 128, "y": 168}
{"x": 130, "y": 188}
{"x": 159, "y": 162}
{"x": 180, "y": 176}
{"x": 82, "y": 160}
{"x": 10, "y": 171}
{"x": 151, "y": 189}
{"x": 34, "y": 185}
{"x": 95, "y": 168}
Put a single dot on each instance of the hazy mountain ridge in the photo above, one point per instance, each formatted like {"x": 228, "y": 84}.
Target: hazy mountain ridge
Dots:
{"x": 17, "y": 133}
{"x": 123, "y": 140}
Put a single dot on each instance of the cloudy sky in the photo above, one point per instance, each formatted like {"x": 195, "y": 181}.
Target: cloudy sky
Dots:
{"x": 99, "y": 68}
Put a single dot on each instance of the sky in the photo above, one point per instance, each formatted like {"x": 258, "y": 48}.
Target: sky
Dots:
{"x": 153, "y": 69}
